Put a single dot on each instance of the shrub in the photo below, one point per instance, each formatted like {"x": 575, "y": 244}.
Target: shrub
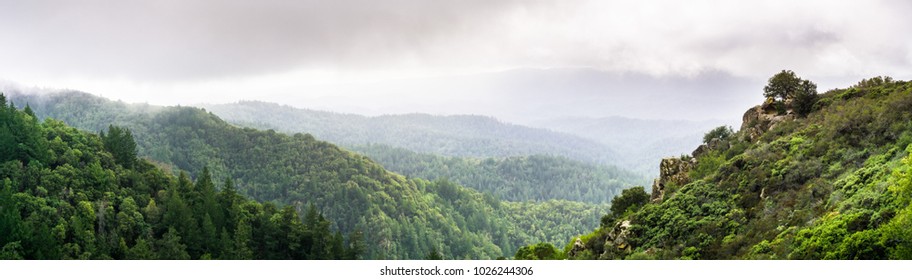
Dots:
{"x": 721, "y": 133}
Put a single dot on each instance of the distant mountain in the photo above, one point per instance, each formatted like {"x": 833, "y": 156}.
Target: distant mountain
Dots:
{"x": 464, "y": 136}
{"x": 641, "y": 143}
{"x": 525, "y": 95}
{"x": 520, "y": 178}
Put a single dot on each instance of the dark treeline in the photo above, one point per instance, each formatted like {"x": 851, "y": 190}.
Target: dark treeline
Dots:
{"x": 461, "y": 135}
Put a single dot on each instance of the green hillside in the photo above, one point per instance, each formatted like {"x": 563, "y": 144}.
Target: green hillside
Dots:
{"x": 807, "y": 176}
{"x": 68, "y": 194}
{"x": 520, "y": 178}
{"x": 399, "y": 217}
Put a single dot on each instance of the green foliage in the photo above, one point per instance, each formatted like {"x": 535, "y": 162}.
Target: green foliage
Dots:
{"x": 787, "y": 86}
{"x": 119, "y": 142}
{"x": 782, "y": 85}
{"x": 434, "y": 255}
{"x": 722, "y": 133}
{"x": 553, "y": 221}
{"x": 540, "y": 251}
{"x": 707, "y": 165}
{"x": 397, "y": 217}
{"x": 805, "y": 98}
{"x": 629, "y": 201}
{"x": 526, "y": 178}
{"x": 699, "y": 215}
{"x": 833, "y": 185}
{"x": 20, "y": 135}
{"x": 56, "y": 211}
{"x": 898, "y": 231}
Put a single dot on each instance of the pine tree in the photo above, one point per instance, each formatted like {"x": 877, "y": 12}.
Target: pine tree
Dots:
{"x": 141, "y": 251}
{"x": 171, "y": 248}
{"x": 120, "y": 143}
{"x": 356, "y": 246}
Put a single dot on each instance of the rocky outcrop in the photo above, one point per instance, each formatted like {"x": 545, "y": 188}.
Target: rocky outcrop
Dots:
{"x": 578, "y": 247}
{"x": 714, "y": 144}
{"x": 701, "y": 150}
{"x": 762, "y": 118}
{"x": 671, "y": 171}
{"x": 617, "y": 242}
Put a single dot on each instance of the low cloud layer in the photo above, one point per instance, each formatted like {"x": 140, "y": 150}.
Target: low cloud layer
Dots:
{"x": 127, "y": 49}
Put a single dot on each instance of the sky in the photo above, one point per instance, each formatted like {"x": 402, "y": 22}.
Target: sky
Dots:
{"x": 520, "y": 61}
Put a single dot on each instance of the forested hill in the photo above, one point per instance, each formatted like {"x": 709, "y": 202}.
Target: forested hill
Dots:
{"x": 807, "y": 176}
{"x": 69, "y": 194}
{"x": 464, "y": 136}
{"x": 400, "y": 217}
{"x": 520, "y": 178}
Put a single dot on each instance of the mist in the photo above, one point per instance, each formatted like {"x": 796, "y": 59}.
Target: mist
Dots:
{"x": 519, "y": 61}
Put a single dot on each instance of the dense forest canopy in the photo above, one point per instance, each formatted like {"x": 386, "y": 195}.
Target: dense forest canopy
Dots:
{"x": 521, "y": 178}
{"x": 68, "y": 194}
{"x": 399, "y": 217}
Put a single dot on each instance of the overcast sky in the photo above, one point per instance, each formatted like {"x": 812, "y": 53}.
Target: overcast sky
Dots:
{"x": 516, "y": 60}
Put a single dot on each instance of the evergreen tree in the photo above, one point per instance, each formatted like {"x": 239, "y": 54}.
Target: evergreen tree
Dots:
{"x": 434, "y": 255}
{"x": 171, "y": 248}
{"x": 356, "y": 246}
{"x": 119, "y": 141}
{"x": 141, "y": 251}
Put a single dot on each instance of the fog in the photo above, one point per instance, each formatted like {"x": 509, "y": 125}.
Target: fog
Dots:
{"x": 520, "y": 61}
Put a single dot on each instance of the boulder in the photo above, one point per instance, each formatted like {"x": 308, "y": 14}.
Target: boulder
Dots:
{"x": 702, "y": 149}
{"x": 718, "y": 144}
{"x": 616, "y": 243}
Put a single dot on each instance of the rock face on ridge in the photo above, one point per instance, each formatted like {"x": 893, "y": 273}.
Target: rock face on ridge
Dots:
{"x": 762, "y": 118}
{"x": 755, "y": 122}
{"x": 671, "y": 171}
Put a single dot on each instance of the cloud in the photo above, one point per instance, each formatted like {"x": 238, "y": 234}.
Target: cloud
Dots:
{"x": 363, "y": 52}
{"x": 202, "y": 39}
{"x": 181, "y": 40}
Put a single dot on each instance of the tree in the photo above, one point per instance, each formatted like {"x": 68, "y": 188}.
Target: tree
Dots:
{"x": 782, "y": 85}
{"x": 629, "y": 200}
{"x": 805, "y": 98}
{"x": 721, "y": 133}
{"x": 141, "y": 251}
{"x": 356, "y": 245}
{"x": 28, "y": 111}
{"x": 540, "y": 251}
{"x": 10, "y": 221}
{"x": 787, "y": 86}
{"x": 171, "y": 248}
{"x": 434, "y": 255}
{"x": 119, "y": 141}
